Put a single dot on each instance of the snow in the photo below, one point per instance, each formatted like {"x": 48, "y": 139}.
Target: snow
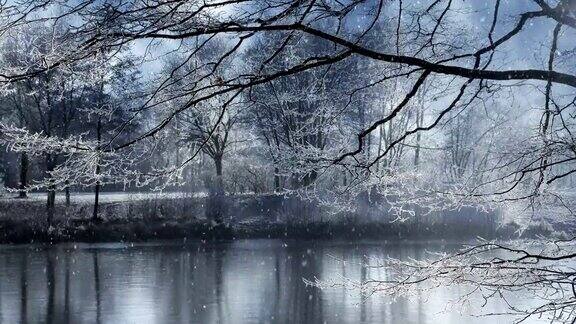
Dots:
{"x": 109, "y": 197}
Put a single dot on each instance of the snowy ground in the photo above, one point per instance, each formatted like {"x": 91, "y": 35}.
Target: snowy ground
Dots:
{"x": 107, "y": 197}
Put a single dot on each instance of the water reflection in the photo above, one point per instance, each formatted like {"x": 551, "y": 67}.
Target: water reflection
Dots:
{"x": 250, "y": 281}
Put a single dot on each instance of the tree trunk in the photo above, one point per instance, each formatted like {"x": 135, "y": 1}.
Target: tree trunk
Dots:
{"x": 97, "y": 187}
{"x": 276, "y": 180}
{"x": 96, "y": 199}
{"x": 23, "y": 175}
{"x": 67, "y": 193}
{"x": 51, "y": 196}
{"x": 380, "y": 139}
{"x": 215, "y": 208}
{"x": 419, "y": 121}
{"x": 50, "y": 205}
{"x": 219, "y": 181}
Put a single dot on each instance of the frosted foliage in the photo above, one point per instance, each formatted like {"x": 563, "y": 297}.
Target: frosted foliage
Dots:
{"x": 377, "y": 110}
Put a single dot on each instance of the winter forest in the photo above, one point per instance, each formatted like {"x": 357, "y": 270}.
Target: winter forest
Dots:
{"x": 330, "y": 161}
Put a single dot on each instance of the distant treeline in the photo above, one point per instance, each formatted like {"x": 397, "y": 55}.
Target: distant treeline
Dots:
{"x": 246, "y": 216}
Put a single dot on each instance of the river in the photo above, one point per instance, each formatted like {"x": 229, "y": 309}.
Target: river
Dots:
{"x": 244, "y": 281}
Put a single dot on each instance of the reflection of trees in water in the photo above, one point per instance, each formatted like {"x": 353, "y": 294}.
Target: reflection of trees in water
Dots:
{"x": 210, "y": 276}
{"x": 353, "y": 306}
{"x": 363, "y": 278}
{"x": 198, "y": 290}
{"x": 67, "y": 286}
{"x": 51, "y": 283}
{"x": 419, "y": 297}
{"x": 277, "y": 286}
{"x": 305, "y": 302}
{"x": 58, "y": 286}
{"x": 191, "y": 286}
{"x": 24, "y": 288}
{"x": 218, "y": 257}
{"x": 399, "y": 308}
{"x": 176, "y": 299}
{"x": 237, "y": 282}
{"x": 97, "y": 287}
{"x": 168, "y": 269}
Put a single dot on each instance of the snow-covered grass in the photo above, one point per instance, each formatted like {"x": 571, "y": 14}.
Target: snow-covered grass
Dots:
{"x": 107, "y": 197}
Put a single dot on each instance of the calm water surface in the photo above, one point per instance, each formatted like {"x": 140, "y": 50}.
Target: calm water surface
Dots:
{"x": 246, "y": 281}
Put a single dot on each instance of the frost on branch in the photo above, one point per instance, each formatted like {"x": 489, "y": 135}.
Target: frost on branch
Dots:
{"x": 80, "y": 157}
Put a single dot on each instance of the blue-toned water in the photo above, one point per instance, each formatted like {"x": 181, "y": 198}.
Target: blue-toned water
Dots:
{"x": 245, "y": 281}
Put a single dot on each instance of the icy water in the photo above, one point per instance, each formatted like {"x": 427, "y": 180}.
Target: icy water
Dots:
{"x": 245, "y": 281}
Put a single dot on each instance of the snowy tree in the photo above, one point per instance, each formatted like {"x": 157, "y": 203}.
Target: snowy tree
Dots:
{"x": 442, "y": 64}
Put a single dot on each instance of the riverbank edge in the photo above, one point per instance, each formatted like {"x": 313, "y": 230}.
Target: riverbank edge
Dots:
{"x": 15, "y": 232}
